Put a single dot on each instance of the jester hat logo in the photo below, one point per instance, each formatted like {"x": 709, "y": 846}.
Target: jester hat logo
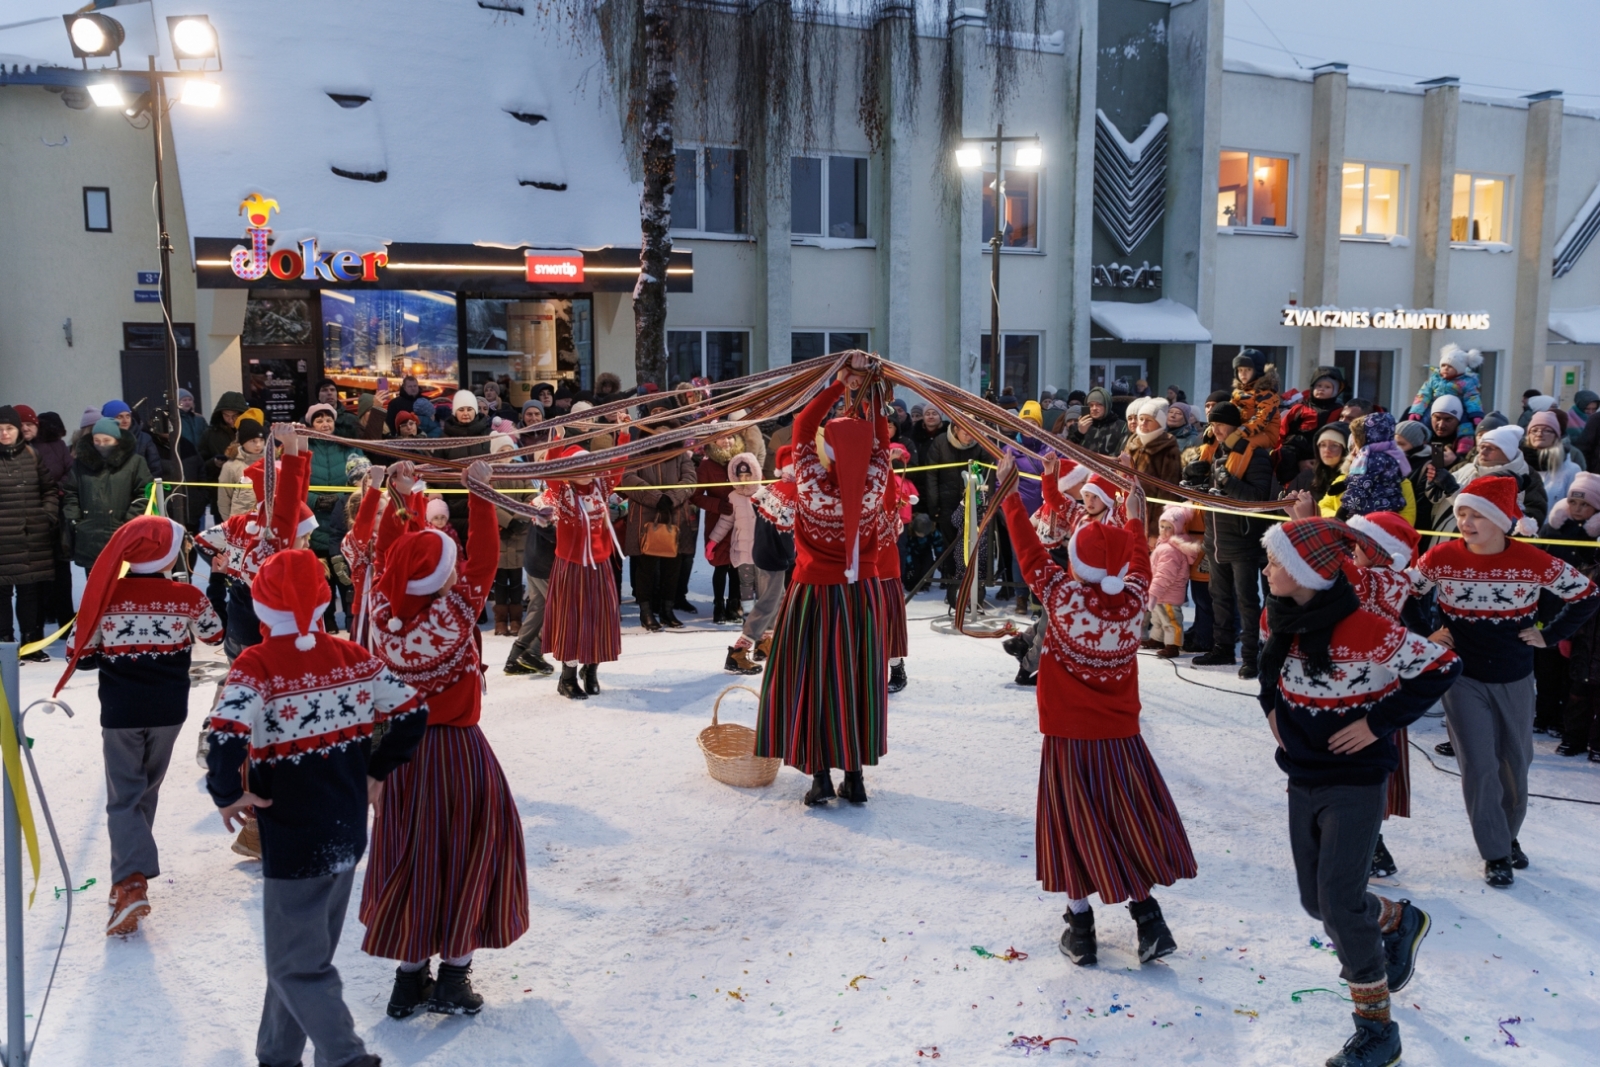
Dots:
{"x": 258, "y": 209}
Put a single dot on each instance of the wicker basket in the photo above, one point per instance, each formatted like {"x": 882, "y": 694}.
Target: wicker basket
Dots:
{"x": 730, "y": 750}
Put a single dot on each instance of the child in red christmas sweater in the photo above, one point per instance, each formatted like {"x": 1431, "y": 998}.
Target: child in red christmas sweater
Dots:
{"x": 1106, "y": 823}
{"x": 293, "y": 740}
{"x": 1492, "y": 592}
{"x": 138, "y": 630}
{"x": 1336, "y": 683}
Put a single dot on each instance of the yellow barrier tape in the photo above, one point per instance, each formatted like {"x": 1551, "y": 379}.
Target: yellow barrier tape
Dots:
{"x": 12, "y": 754}
{"x": 34, "y": 646}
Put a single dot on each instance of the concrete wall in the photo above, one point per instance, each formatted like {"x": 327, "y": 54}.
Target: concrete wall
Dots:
{"x": 54, "y": 269}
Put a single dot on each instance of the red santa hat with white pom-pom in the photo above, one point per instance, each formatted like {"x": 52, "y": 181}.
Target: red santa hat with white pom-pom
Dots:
{"x": 1071, "y": 476}
{"x": 1101, "y": 555}
{"x": 1102, "y": 488}
{"x": 417, "y": 567}
{"x": 290, "y": 593}
{"x": 257, "y": 476}
{"x": 148, "y": 544}
{"x": 1393, "y": 534}
{"x": 1494, "y": 496}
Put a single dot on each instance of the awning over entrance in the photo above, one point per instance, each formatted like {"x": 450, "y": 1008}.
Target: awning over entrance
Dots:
{"x": 1161, "y": 321}
{"x": 1578, "y": 326}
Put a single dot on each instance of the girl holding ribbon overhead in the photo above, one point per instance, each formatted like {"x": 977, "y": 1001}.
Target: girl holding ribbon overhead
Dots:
{"x": 824, "y": 699}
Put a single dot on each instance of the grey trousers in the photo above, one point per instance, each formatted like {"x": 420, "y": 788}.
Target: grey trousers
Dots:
{"x": 1035, "y": 646}
{"x": 1491, "y": 726}
{"x": 527, "y": 642}
{"x": 1332, "y": 832}
{"x": 136, "y": 762}
{"x": 769, "y": 598}
{"x": 301, "y": 922}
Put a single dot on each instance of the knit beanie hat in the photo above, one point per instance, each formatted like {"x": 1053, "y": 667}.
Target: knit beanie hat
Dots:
{"x": 1315, "y": 550}
{"x": 423, "y": 408}
{"x": 1542, "y": 403}
{"x": 319, "y": 409}
{"x": 1465, "y": 360}
{"x": 1179, "y": 515}
{"x": 290, "y": 592}
{"x": 248, "y": 430}
{"x": 112, "y": 408}
{"x": 1547, "y": 419}
{"x": 148, "y": 544}
{"x": 9, "y": 417}
{"x": 405, "y": 417}
{"x": 1449, "y": 404}
{"x": 1226, "y": 413}
{"x": 1411, "y": 434}
{"x": 356, "y": 467}
{"x": 1032, "y": 413}
{"x": 464, "y": 398}
{"x": 108, "y": 427}
{"x": 417, "y": 566}
{"x": 90, "y": 417}
{"x": 25, "y": 413}
{"x": 1156, "y": 408}
{"x": 1101, "y": 554}
{"x": 1495, "y": 498}
{"x": 1394, "y": 535}
{"x": 1506, "y": 438}
{"x": 1586, "y": 487}
{"x": 436, "y": 509}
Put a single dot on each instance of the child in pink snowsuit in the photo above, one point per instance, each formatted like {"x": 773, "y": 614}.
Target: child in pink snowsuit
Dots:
{"x": 1170, "y": 559}
{"x": 738, "y": 526}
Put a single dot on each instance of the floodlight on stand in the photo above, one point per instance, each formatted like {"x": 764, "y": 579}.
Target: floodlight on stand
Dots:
{"x": 967, "y": 158}
{"x": 93, "y": 34}
{"x": 192, "y": 36}
{"x": 1030, "y": 155}
{"x": 106, "y": 94}
{"x": 198, "y": 93}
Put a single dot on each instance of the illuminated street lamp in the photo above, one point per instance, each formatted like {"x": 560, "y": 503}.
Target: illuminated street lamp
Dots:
{"x": 1030, "y": 154}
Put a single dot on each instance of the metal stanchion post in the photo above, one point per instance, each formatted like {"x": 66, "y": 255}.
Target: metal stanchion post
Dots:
{"x": 16, "y": 1050}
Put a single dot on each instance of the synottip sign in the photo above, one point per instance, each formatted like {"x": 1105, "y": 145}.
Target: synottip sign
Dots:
{"x": 558, "y": 269}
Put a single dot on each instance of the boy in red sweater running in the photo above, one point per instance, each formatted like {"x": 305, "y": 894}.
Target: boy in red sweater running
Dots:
{"x": 1106, "y": 823}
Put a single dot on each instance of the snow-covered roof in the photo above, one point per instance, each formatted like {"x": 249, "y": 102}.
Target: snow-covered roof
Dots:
{"x": 1495, "y": 49}
{"x": 1163, "y": 321}
{"x": 458, "y": 124}
{"x": 1581, "y": 326}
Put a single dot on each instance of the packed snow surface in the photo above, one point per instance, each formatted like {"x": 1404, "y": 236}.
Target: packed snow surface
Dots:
{"x": 676, "y": 920}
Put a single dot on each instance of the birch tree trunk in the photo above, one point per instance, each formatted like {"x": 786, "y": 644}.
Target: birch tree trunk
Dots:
{"x": 655, "y": 202}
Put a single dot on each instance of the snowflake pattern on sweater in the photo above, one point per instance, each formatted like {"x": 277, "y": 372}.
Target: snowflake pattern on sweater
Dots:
{"x": 1383, "y": 591}
{"x": 776, "y": 504}
{"x": 1371, "y": 654}
{"x": 142, "y": 648}
{"x": 819, "y": 510}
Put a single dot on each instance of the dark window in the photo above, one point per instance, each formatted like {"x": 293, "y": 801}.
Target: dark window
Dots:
{"x": 847, "y": 197}
{"x": 805, "y": 196}
{"x": 726, "y": 191}
{"x": 152, "y": 336}
{"x": 809, "y": 344}
{"x": 715, "y": 354}
{"x": 1019, "y": 369}
{"x": 683, "y": 355}
{"x": 96, "y": 209}
{"x": 685, "y": 190}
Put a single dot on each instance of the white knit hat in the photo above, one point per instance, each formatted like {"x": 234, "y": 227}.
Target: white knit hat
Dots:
{"x": 464, "y": 398}
{"x": 1449, "y": 404}
{"x": 1465, "y": 360}
{"x": 1506, "y": 438}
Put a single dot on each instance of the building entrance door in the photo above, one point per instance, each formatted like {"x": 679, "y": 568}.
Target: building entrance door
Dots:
{"x": 1104, "y": 373}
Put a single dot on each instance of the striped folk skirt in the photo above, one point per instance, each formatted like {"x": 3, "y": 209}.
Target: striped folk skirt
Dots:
{"x": 824, "y": 700}
{"x": 1106, "y": 823}
{"x": 1399, "y": 799}
{"x": 893, "y": 592}
{"x": 447, "y": 873}
{"x": 581, "y": 620}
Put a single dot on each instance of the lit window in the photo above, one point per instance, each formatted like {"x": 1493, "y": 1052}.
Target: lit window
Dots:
{"x": 831, "y": 191}
{"x": 1370, "y": 201}
{"x": 1253, "y": 191}
{"x": 1478, "y": 210}
{"x": 97, "y": 209}
{"x": 809, "y": 344}
{"x": 1021, "y": 229}
{"x": 716, "y": 355}
{"x": 711, "y": 190}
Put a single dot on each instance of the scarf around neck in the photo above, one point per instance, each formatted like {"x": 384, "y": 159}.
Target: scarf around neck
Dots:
{"x": 1312, "y": 623}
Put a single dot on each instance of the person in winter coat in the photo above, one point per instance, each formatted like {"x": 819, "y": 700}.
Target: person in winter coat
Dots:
{"x": 712, "y": 498}
{"x": 1151, "y": 449}
{"x": 1413, "y": 437}
{"x": 192, "y": 424}
{"x": 509, "y": 594}
{"x": 465, "y": 421}
{"x": 1332, "y": 442}
{"x": 1241, "y": 470}
{"x": 1378, "y": 475}
{"x": 30, "y": 512}
{"x": 945, "y": 493}
{"x": 1101, "y": 429}
{"x": 1546, "y": 447}
{"x": 404, "y": 400}
{"x": 235, "y": 495}
{"x": 1184, "y": 425}
{"x": 1172, "y": 553}
{"x": 144, "y": 444}
{"x": 1577, "y": 518}
{"x": 329, "y": 463}
{"x": 773, "y": 555}
{"x": 51, "y": 446}
{"x": 538, "y": 557}
{"x": 1456, "y": 376}
{"x": 1499, "y": 453}
{"x": 218, "y": 435}
{"x": 737, "y": 529}
{"x": 655, "y": 577}
{"x": 1255, "y": 394}
{"x": 105, "y": 488}
{"x": 1316, "y": 409}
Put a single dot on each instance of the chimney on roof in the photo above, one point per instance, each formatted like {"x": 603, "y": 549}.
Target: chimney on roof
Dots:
{"x": 1439, "y": 83}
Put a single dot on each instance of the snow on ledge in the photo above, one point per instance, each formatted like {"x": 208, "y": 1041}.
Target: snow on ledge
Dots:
{"x": 1581, "y": 326}
{"x": 1163, "y": 321}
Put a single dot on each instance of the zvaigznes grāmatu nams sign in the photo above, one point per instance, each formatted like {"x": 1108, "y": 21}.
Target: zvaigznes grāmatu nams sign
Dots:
{"x": 1384, "y": 318}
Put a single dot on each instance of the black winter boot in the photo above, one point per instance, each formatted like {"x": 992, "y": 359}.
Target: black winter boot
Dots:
{"x": 412, "y": 989}
{"x": 1016, "y": 646}
{"x": 647, "y": 618}
{"x": 453, "y": 993}
{"x": 1519, "y": 858}
{"x": 682, "y": 604}
{"x": 1374, "y": 1044}
{"x": 1077, "y": 940}
{"x": 821, "y": 789}
{"x": 1383, "y": 865}
{"x": 568, "y": 685}
{"x": 1155, "y": 939}
{"x": 897, "y": 677}
{"x": 1498, "y": 873}
{"x": 666, "y": 618}
{"x": 1215, "y": 658}
{"x": 1401, "y": 947}
{"x": 854, "y": 787}
{"x": 591, "y": 679}
{"x": 1026, "y": 677}
{"x": 718, "y": 612}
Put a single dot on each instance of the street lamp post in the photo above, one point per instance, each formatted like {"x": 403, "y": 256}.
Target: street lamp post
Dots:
{"x": 1029, "y": 154}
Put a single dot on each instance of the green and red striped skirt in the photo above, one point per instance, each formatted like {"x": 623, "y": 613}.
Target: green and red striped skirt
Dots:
{"x": 447, "y": 873}
{"x": 894, "y": 617}
{"x": 1106, "y": 823}
{"x": 582, "y": 623}
{"x": 824, "y": 701}
{"x": 1398, "y": 801}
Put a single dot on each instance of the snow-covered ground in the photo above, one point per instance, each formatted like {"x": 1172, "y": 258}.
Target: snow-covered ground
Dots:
{"x": 677, "y": 920}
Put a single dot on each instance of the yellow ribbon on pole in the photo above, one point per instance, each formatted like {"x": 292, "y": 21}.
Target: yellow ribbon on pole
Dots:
{"x": 11, "y": 753}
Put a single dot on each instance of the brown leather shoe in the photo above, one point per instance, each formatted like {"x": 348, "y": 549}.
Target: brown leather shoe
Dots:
{"x": 248, "y": 843}
{"x": 1170, "y": 652}
{"x": 129, "y": 903}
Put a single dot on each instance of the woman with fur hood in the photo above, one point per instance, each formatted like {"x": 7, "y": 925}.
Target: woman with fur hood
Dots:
{"x": 712, "y": 498}
{"x": 1151, "y": 448}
